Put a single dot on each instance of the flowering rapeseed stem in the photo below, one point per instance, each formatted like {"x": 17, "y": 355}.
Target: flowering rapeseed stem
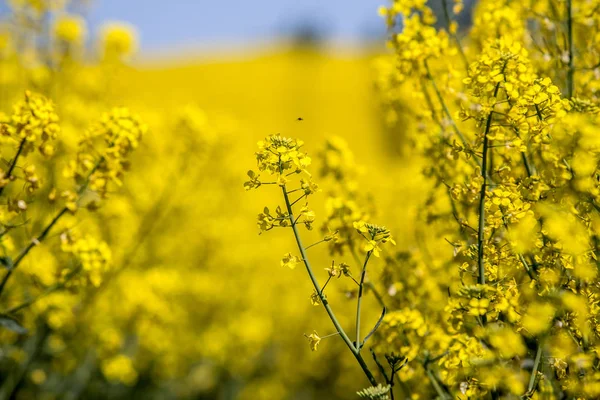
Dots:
{"x": 282, "y": 157}
{"x": 319, "y": 292}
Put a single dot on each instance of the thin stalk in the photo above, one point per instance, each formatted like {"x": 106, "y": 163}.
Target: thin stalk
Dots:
{"x": 571, "y": 69}
{"x": 325, "y": 285}
{"x": 454, "y": 35}
{"x": 536, "y": 367}
{"x": 324, "y": 301}
{"x": 528, "y": 166}
{"x": 36, "y": 241}
{"x": 359, "y": 300}
{"x": 436, "y": 384}
{"x": 527, "y": 267}
{"x": 298, "y": 199}
{"x": 368, "y": 282}
{"x": 13, "y": 163}
{"x": 480, "y": 231}
{"x": 314, "y": 244}
{"x": 481, "y": 228}
{"x": 443, "y": 104}
{"x": 30, "y": 246}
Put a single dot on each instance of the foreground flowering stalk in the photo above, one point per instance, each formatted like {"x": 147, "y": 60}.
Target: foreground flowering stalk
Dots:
{"x": 282, "y": 157}
{"x": 120, "y": 131}
{"x": 511, "y": 309}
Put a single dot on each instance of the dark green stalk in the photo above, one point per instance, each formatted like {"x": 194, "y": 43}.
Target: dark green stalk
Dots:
{"x": 13, "y": 163}
{"x": 359, "y": 300}
{"x": 368, "y": 282}
{"x": 480, "y": 231}
{"x": 30, "y": 246}
{"x": 44, "y": 233}
{"x": 536, "y": 367}
{"x": 481, "y": 228}
{"x": 571, "y": 68}
{"x": 436, "y": 384}
{"x": 324, "y": 301}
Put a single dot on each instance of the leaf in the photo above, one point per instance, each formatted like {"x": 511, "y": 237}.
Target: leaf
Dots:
{"x": 375, "y": 327}
{"x": 12, "y": 325}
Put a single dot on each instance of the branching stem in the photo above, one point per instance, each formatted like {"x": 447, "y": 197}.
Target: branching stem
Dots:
{"x": 13, "y": 164}
{"x": 324, "y": 301}
{"x": 359, "y": 300}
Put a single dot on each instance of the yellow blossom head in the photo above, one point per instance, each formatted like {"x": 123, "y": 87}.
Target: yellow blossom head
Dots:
{"x": 70, "y": 29}
{"x": 118, "y": 40}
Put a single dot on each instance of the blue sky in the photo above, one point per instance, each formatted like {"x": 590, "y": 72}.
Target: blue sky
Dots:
{"x": 171, "y": 24}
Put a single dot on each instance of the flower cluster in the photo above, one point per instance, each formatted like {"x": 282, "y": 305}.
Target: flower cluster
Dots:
{"x": 34, "y": 123}
{"x": 374, "y": 235}
{"x": 94, "y": 256}
{"x": 279, "y": 155}
{"x": 120, "y": 132}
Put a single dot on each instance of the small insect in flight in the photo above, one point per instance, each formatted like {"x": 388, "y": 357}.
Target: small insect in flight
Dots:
{"x": 300, "y": 119}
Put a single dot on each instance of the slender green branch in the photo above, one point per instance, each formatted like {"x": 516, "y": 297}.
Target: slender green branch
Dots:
{"x": 359, "y": 300}
{"x": 454, "y": 35}
{"x": 40, "y": 238}
{"x": 368, "y": 282}
{"x": 480, "y": 231}
{"x": 536, "y": 367}
{"x": 314, "y": 244}
{"x": 324, "y": 301}
{"x": 325, "y": 285}
{"x": 31, "y": 245}
{"x": 13, "y": 163}
{"x": 298, "y": 199}
{"x": 443, "y": 104}
{"x": 481, "y": 228}
{"x": 571, "y": 69}
{"x": 527, "y": 267}
{"x": 436, "y": 385}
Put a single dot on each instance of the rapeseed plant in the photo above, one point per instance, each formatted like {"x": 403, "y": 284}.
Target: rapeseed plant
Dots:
{"x": 502, "y": 134}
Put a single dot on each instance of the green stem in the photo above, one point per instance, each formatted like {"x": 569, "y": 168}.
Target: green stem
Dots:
{"x": 536, "y": 367}
{"x": 359, "y": 300}
{"x": 30, "y": 246}
{"x": 481, "y": 228}
{"x": 435, "y": 384}
{"x": 443, "y": 104}
{"x": 13, "y": 164}
{"x": 47, "y": 229}
{"x": 571, "y": 68}
{"x": 454, "y": 35}
{"x": 314, "y": 244}
{"x": 368, "y": 282}
{"x": 480, "y": 231}
{"x": 315, "y": 283}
